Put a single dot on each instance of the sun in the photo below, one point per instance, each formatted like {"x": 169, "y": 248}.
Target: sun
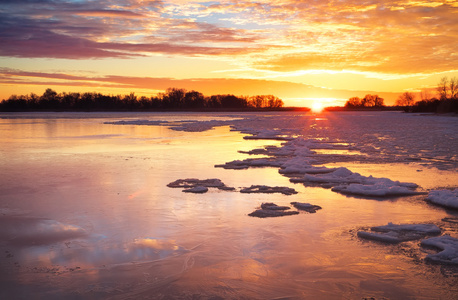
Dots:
{"x": 317, "y": 107}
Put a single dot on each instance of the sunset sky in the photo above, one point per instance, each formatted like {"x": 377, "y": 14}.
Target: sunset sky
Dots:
{"x": 301, "y": 51}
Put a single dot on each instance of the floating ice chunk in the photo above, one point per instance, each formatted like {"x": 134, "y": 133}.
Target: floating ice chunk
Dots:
{"x": 421, "y": 228}
{"x": 381, "y": 189}
{"x": 269, "y": 213}
{"x": 269, "y": 190}
{"x": 301, "y": 165}
{"x": 347, "y": 182}
{"x": 447, "y": 198}
{"x": 394, "y": 234}
{"x": 273, "y": 206}
{"x": 297, "y": 165}
{"x": 449, "y": 247}
{"x": 387, "y": 237}
{"x": 190, "y": 183}
{"x": 247, "y": 163}
{"x": 306, "y": 206}
{"x": 197, "y": 189}
{"x": 198, "y": 126}
{"x": 266, "y": 134}
{"x": 338, "y": 176}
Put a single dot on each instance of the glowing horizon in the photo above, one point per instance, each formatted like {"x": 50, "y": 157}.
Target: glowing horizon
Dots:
{"x": 291, "y": 49}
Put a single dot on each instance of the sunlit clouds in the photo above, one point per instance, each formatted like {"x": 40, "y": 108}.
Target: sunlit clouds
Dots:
{"x": 284, "y": 41}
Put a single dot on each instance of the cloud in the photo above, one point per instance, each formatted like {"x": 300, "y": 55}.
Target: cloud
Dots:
{"x": 208, "y": 86}
{"x": 394, "y": 36}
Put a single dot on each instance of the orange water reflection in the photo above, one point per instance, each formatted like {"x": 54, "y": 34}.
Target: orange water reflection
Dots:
{"x": 143, "y": 239}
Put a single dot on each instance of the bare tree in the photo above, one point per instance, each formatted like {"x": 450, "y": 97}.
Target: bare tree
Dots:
{"x": 453, "y": 87}
{"x": 406, "y": 99}
{"x": 425, "y": 94}
{"x": 442, "y": 88}
{"x": 353, "y": 102}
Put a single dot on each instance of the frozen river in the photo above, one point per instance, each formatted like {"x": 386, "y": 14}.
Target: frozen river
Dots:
{"x": 85, "y": 211}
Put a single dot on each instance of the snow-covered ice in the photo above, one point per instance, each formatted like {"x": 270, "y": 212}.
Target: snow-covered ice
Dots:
{"x": 393, "y": 233}
{"x": 196, "y": 190}
{"x": 269, "y": 210}
{"x": 382, "y": 189}
{"x": 344, "y": 181}
{"x": 311, "y": 208}
{"x": 269, "y": 189}
{"x": 448, "y": 246}
{"x": 273, "y": 206}
{"x": 446, "y": 198}
{"x": 124, "y": 200}
{"x": 197, "y": 184}
{"x": 250, "y": 162}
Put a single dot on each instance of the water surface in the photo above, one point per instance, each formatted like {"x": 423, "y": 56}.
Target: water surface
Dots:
{"x": 85, "y": 211}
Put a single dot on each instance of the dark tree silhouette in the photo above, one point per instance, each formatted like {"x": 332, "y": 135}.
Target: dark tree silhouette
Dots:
{"x": 406, "y": 99}
{"x": 369, "y": 101}
{"x": 171, "y": 99}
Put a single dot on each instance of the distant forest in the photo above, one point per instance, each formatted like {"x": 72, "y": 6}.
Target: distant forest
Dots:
{"x": 445, "y": 102}
{"x": 171, "y": 99}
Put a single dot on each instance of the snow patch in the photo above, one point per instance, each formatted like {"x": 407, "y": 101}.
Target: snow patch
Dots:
{"x": 394, "y": 234}
{"x": 381, "y": 189}
{"x": 306, "y": 206}
{"x": 193, "y": 185}
{"x": 250, "y": 162}
{"x": 448, "y": 246}
{"x": 265, "y": 134}
{"x": 447, "y": 198}
{"x": 269, "y": 190}
{"x": 347, "y": 182}
{"x": 273, "y": 206}
{"x": 197, "y": 190}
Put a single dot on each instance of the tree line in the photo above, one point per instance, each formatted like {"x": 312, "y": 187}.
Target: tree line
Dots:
{"x": 446, "y": 99}
{"x": 171, "y": 99}
{"x": 369, "y": 101}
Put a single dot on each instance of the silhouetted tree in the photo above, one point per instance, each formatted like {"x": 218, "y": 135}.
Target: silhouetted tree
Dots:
{"x": 442, "y": 88}
{"x": 274, "y": 102}
{"x": 406, "y": 99}
{"x": 372, "y": 101}
{"x": 194, "y": 99}
{"x": 453, "y": 87}
{"x": 173, "y": 98}
{"x": 353, "y": 102}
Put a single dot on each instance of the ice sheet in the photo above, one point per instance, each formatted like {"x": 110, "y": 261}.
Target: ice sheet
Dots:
{"x": 137, "y": 238}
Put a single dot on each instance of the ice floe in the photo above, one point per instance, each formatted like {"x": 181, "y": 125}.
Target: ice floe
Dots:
{"x": 269, "y": 210}
{"x": 382, "y": 189}
{"x": 250, "y": 162}
{"x": 197, "y": 126}
{"x": 344, "y": 181}
{"x": 197, "y": 189}
{"x": 193, "y": 185}
{"x": 269, "y": 190}
{"x": 265, "y": 134}
{"x": 446, "y": 198}
{"x": 273, "y": 206}
{"x": 394, "y": 234}
{"x": 306, "y": 207}
{"x": 448, "y": 246}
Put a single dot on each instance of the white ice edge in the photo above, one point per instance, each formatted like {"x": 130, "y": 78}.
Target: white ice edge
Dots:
{"x": 447, "y": 198}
